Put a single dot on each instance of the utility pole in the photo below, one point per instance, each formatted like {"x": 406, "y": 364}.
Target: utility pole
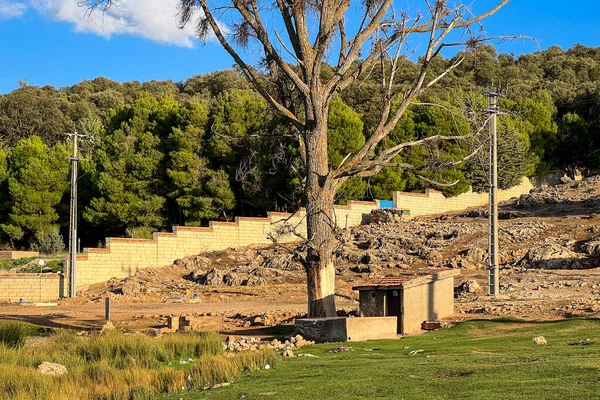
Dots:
{"x": 493, "y": 269}
{"x": 72, "y": 263}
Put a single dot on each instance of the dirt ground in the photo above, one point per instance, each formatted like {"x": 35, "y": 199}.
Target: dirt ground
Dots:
{"x": 550, "y": 268}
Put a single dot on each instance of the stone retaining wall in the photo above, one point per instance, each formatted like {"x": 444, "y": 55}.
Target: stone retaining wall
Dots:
{"x": 124, "y": 257}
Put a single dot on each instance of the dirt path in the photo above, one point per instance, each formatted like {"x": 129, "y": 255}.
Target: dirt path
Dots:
{"x": 91, "y": 315}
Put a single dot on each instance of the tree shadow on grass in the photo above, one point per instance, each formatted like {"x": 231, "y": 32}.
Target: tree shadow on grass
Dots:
{"x": 267, "y": 332}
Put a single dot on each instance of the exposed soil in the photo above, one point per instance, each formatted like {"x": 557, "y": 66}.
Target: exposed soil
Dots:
{"x": 550, "y": 259}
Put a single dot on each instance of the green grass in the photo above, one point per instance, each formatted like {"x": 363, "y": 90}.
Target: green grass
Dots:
{"x": 116, "y": 366}
{"x": 13, "y": 333}
{"x": 8, "y": 264}
{"x": 54, "y": 265}
{"x": 475, "y": 360}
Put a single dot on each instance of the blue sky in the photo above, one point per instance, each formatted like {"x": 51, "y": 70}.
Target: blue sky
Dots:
{"x": 50, "y": 42}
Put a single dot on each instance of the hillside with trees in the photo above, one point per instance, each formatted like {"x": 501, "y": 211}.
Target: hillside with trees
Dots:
{"x": 182, "y": 153}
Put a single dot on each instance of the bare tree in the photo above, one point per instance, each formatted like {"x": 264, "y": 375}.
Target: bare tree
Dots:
{"x": 282, "y": 47}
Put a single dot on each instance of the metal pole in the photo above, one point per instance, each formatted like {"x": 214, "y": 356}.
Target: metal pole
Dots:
{"x": 107, "y": 309}
{"x": 493, "y": 238}
{"x": 73, "y": 222}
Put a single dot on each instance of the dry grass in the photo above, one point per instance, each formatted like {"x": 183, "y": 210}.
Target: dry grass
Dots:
{"x": 116, "y": 366}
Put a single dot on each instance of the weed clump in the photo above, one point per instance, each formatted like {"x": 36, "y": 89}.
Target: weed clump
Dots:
{"x": 13, "y": 333}
{"x": 117, "y": 366}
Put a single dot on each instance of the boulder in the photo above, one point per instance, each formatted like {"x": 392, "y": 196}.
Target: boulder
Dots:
{"x": 471, "y": 286}
{"x": 108, "y": 326}
{"x": 591, "y": 247}
{"x": 288, "y": 353}
{"x": 477, "y": 255}
{"x": 214, "y": 277}
{"x": 551, "y": 256}
{"x": 256, "y": 281}
{"x": 52, "y": 369}
{"x": 539, "y": 340}
{"x": 234, "y": 279}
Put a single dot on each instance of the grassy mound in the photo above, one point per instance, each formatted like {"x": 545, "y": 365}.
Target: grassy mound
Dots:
{"x": 118, "y": 366}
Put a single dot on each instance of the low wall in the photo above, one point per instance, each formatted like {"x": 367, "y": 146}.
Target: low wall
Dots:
{"x": 434, "y": 202}
{"x": 124, "y": 257}
{"x": 342, "y": 329}
{"x": 13, "y": 255}
{"x": 31, "y": 287}
{"x": 361, "y": 329}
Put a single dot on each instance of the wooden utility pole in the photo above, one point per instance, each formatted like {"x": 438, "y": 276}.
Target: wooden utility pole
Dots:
{"x": 72, "y": 263}
{"x": 493, "y": 269}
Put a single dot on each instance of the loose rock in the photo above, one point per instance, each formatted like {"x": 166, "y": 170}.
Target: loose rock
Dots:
{"x": 539, "y": 340}
{"x": 52, "y": 369}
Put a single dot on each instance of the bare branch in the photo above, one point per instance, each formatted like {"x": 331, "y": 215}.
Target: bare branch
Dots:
{"x": 248, "y": 72}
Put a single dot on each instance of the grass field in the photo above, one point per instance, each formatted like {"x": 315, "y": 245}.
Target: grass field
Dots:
{"x": 475, "y": 360}
{"x": 114, "y": 366}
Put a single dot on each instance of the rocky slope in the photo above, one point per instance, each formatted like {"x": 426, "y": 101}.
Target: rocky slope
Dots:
{"x": 549, "y": 240}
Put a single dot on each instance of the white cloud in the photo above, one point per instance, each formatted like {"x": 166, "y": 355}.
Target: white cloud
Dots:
{"x": 151, "y": 19}
{"x": 10, "y": 9}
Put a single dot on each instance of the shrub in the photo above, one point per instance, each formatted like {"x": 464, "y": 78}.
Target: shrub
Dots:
{"x": 141, "y": 232}
{"x": 13, "y": 333}
{"x": 48, "y": 241}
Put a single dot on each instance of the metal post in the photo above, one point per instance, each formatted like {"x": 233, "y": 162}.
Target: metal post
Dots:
{"x": 493, "y": 289}
{"x": 73, "y": 222}
{"x": 107, "y": 309}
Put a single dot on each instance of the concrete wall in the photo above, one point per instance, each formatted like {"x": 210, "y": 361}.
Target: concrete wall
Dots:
{"x": 124, "y": 257}
{"x": 13, "y": 255}
{"x": 31, "y": 287}
{"x": 373, "y": 328}
{"x": 434, "y": 202}
{"x": 429, "y": 301}
{"x": 342, "y": 329}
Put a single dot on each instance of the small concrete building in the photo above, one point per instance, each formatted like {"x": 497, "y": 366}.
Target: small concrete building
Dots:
{"x": 413, "y": 299}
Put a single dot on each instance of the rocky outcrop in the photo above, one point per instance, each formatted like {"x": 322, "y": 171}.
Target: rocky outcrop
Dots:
{"x": 551, "y": 256}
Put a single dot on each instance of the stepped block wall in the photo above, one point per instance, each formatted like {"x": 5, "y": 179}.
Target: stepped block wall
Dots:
{"x": 124, "y": 257}
{"x": 434, "y": 202}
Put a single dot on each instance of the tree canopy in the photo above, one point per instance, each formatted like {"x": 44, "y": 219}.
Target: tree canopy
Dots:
{"x": 199, "y": 159}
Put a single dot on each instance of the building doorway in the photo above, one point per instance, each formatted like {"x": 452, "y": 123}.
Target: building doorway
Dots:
{"x": 394, "y": 307}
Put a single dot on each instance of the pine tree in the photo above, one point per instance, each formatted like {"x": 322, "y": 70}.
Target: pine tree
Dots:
{"x": 199, "y": 192}
{"x": 37, "y": 181}
{"x": 128, "y": 167}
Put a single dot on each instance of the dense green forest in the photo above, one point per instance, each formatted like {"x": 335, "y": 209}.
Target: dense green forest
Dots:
{"x": 182, "y": 153}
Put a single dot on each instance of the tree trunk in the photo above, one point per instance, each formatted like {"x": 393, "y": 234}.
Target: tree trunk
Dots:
{"x": 320, "y": 220}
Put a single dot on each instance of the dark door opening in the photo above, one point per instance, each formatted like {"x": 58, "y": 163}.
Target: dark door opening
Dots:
{"x": 394, "y": 307}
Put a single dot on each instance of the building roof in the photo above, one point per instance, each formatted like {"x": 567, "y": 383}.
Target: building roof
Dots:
{"x": 400, "y": 282}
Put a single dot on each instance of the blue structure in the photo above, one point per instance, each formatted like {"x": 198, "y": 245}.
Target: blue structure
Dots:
{"x": 386, "y": 204}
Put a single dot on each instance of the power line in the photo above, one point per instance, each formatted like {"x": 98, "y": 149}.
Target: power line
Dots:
{"x": 579, "y": 103}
